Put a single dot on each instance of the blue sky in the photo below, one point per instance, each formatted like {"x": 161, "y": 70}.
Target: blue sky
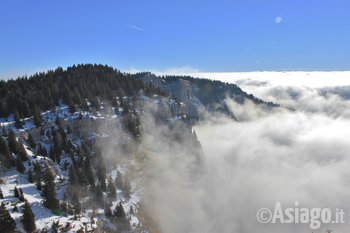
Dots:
{"x": 209, "y": 36}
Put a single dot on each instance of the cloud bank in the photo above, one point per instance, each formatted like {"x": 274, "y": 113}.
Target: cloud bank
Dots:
{"x": 268, "y": 157}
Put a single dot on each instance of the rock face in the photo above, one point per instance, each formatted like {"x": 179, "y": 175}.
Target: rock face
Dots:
{"x": 197, "y": 94}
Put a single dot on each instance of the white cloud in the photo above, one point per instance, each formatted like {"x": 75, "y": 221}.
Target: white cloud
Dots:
{"x": 278, "y": 19}
{"x": 269, "y": 156}
{"x": 137, "y": 28}
{"x": 181, "y": 70}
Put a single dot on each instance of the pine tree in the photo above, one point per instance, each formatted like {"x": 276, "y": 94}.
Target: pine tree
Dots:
{"x": 18, "y": 122}
{"x": 28, "y": 219}
{"x": 111, "y": 189}
{"x": 22, "y": 151}
{"x": 16, "y": 193}
{"x": 119, "y": 213}
{"x": 30, "y": 176}
{"x": 73, "y": 176}
{"x": 37, "y": 118}
{"x": 49, "y": 191}
{"x": 7, "y": 224}
{"x": 31, "y": 142}
{"x": 76, "y": 203}
{"x": 54, "y": 227}
{"x": 1, "y": 194}
{"x": 19, "y": 164}
{"x": 12, "y": 141}
{"x": 4, "y": 131}
{"x": 88, "y": 173}
{"x": 52, "y": 154}
{"x": 5, "y": 154}
{"x": 21, "y": 195}
{"x": 127, "y": 187}
{"x": 99, "y": 194}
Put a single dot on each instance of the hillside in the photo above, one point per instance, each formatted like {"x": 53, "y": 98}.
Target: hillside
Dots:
{"x": 80, "y": 147}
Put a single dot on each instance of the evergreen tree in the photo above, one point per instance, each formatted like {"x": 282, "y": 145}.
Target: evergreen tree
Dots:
{"x": 16, "y": 193}
{"x": 54, "y": 227}
{"x": 37, "y": 118}
{"x": 19, "y": 164}
{"x": 21, "y": 195}
{"x": 30, "y": 176}
{"x": 4, "y": 131}
{"x": 22, "y": 151}
{"x": 119, "y": 213}
{"x": 52, "y": 154}
{"x": 31, "y": 142}
{"x": 108, "y": 211}
{"x": 111, "y": 189}
{"x": 18, "y": 122}
{"x": 5, "y": 154}
{"x": 28, "y": 219}
{"x": 39, "y": 149}
{"x": 127, "y": 187}
{"x": 88, "y": 173}
{"x": 44, "y": 152}
{"x": 49, "y": 191}
{"x": 7, "y": 224}
{"x": 73, "y": 176}
{"x": 1, "y": 194}
{"x": 12, "y": 141}
{"x": 76, "y": 203}
{"x": 99, "y": 194}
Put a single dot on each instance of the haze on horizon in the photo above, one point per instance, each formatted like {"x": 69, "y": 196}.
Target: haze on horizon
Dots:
{"x": 220, "y": 36}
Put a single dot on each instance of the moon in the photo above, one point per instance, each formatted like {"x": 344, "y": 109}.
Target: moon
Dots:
{"x": 278, "y": 19}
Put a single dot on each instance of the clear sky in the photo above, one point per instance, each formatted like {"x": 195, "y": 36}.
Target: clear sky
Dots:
{"x": 220, "y": 35}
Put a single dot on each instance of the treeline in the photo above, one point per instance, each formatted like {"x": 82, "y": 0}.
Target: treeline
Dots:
{"x": 211, "y": 92}
{"x": 42, "y": 91}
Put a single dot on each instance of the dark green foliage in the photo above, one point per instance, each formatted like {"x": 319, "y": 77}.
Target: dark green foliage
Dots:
{"x": 57, "y": 145}
{"x": 4, "y": 131}
{"x": 73, "y": 176}
{"x": 22, "y": 151}
{"x": 111, "y": 189}
{"x": 88, "y": 173}
{"x": 37, "y": 118}
{"x": 7, "y": 224}
{"x": 31, "y": 142}
{"x": 18, "y": 122}
{"x": 49, "y": 191}
{"x": 5, "y": 155}
{"x": 30, "y": 176}
{"x": 77, "y": 83}
{"x": 54, "y": 227}
{"x": 52, "y": 154}
{"x": 107, "y": 208}
{"x": 16, "y": 193}
{"x": 100, "y": 170}
{"x": 44, "y": 152}
{"x": 21, "y": 195}
{"x": 28, "y": 219}
{"x": 19, "y": 164}
{"x": 69, "y": 129}
{"x": 123, "y": 183}
{"x": 99, "y": 194}
{"x": 12, "y": 141}
{"x": 119, "y": 212}
{"x": 76, "y": 203}
{"x": 1, "y": 194}
{"x": 120, "y": 217}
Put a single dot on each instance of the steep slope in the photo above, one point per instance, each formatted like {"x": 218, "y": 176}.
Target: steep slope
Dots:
{"x": 200, "y": 94}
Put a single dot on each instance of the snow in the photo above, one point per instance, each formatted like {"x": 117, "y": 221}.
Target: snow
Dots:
{"x": 44, "y": 218}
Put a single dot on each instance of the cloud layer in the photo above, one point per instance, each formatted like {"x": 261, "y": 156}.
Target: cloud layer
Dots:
{"x": 282, "y": 155}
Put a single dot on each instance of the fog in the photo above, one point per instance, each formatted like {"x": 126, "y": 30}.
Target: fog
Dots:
{"x": 267, "y": 157}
